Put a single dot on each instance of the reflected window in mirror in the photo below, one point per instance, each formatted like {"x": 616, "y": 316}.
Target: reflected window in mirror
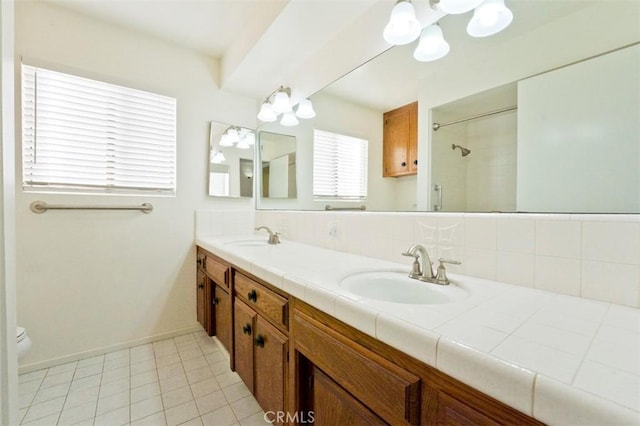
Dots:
{"x": 340, "y": 166}
{"x": 231, "y": 165}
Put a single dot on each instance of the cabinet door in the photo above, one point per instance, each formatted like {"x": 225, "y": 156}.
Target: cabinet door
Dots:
{"x": 270, "y": 358}
{"x": 200, "y": 298}
{"x": 452, "y": 412}
{"x": 400, "y": 141}
{"x": 332, "y": 405}
{"x": 243, "y": 330}
{"x": 222, "y": 303}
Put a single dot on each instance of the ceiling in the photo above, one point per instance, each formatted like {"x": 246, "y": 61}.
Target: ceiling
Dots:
{"x": 260, "y": 44}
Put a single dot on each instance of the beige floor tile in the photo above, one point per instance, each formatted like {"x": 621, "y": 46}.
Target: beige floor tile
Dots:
{"x": 181, "y": 413}
{"x": 211, "y": 402}
{"x": 245, "y": 407}
{"x": 204, "y": 387}
{"x": 176, "y": 397}
{"x": 157, "y": 419}
{"x": 142, "y": 409}
{"x": 221, "y": 417}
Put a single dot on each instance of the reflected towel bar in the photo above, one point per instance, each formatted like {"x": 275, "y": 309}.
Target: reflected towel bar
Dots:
{"x": 42, "y": 207}
{"x": 328, "y": 207}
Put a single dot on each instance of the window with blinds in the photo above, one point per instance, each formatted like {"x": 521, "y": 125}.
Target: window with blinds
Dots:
{"x": 339, "y": 166}
{"x": 89, "y": 136}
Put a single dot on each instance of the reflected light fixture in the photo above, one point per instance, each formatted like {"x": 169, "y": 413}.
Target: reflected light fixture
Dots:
{"x": 432, "y": 45}
{"x": 217, "y": 157}
{"x": 491, "y": 17}
{"x": 403, "y": 26}
{"x": 242, "y": 137}
{"x": 279, "y": 102}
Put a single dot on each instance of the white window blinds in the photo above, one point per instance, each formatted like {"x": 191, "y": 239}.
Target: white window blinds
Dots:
{"x": 86, "y": 135}
{"x": 339, "y": 166}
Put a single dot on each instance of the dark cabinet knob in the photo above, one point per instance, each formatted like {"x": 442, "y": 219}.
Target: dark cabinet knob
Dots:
{"x": 415, "y": 162}
{"x": 403, "y": 164}
{"x": 199, "y": 262}
{"x": 246, "y": 329}
{"x": 260, "y": 341}
{"x": 252, "y": 296}
{"x": 201, "y": 286}
{"x": 216, "y": 300}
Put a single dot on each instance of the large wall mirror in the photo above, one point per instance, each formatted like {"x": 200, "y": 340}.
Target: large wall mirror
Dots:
{"x": 231, "y": 154}
{"x": 539, "y": 118}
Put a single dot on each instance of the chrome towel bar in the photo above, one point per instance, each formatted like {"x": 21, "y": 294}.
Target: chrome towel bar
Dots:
{"x": 42, "y": 207}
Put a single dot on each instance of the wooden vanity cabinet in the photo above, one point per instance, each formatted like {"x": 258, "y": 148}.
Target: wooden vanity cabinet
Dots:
{"x": 203, "y": 314}
{"x": 347, "y": 377}
{"x": 261, "y": 342}
{"x": 213, "y": 301}
{"x": 400, "y": 141}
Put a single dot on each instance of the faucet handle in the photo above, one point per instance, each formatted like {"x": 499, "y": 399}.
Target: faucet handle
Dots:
{"x": 408, "y": 254}
{"x": 441, "y": 277}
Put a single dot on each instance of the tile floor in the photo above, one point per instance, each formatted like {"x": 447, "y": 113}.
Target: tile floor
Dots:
{"x": 185, "y": 380}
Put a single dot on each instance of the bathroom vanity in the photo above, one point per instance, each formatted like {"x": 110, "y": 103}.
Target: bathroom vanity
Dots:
{"x": 296, "y": 355}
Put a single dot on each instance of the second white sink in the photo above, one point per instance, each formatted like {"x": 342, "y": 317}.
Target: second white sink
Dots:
{"x": 397, "y": 287}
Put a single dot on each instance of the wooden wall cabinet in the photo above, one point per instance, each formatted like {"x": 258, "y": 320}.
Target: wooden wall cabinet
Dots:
{"x": 400, "y": 141}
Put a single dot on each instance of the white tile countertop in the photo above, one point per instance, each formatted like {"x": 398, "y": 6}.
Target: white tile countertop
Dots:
{"x": 561, "y": 359}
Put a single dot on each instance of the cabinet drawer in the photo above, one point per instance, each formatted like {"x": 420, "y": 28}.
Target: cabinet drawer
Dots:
{"x": 271, "y": 305}
{"x": 386, "y": 389}
{"x": 217, "y": 271}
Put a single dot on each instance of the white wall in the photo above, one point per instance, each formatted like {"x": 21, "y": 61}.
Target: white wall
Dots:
{"x": 92, "y": 280}
{"x": 8, "y": 356}
{"x": 586, "y": 142}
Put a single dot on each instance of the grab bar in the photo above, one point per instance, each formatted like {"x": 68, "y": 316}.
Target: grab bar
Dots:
{"x": 328, "y": 207}
{"x": 42, "y": 207}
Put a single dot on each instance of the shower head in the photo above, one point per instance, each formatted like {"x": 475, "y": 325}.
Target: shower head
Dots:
{"x": 463, "y": 150}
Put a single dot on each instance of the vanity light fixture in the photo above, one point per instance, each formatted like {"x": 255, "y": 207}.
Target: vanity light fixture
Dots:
{"x": 403, "y": 26}
{"x": 432, "y": 45}
{"x": 279, "y": 102}
{"x": 455, "y": 7}
{"x": 489, "y": 17}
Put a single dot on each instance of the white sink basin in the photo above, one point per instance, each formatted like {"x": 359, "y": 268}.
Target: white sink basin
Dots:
{"x": 248, "y": 243}
{"x": 397, "y": 287}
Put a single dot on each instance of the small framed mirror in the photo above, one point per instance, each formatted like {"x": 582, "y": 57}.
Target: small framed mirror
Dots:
{"x": 231, "y": 160}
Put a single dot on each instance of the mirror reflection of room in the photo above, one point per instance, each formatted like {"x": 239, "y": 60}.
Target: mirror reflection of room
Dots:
{"x": 278, "y": 165}
{"x": 231, "y": 165}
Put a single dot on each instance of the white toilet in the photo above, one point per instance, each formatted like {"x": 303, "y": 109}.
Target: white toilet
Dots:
{"x": 24, "y": 343}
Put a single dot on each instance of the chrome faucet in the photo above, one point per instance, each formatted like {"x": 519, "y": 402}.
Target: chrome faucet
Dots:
{"x": 424, "y": 271}
{"x": 274, "y": 237}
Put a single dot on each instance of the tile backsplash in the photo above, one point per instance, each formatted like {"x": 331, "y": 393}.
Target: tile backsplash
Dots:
{"x": 591, "y": 256}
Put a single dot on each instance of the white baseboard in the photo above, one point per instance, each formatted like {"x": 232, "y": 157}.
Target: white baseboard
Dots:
{"x": 103, "y": 350}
